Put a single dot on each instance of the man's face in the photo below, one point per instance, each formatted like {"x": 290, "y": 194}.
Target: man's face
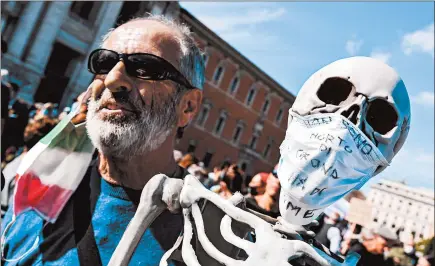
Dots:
{"x": 143, "y": 120}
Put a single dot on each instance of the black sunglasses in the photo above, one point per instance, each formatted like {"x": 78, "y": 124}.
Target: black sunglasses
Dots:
{"x": 139, "y": 65}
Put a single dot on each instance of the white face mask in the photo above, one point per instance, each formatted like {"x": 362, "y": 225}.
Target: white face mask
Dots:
{"x": 323, "y": 157}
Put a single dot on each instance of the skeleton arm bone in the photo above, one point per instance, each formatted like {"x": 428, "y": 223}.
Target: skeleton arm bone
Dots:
{"x": 150, "y": 207}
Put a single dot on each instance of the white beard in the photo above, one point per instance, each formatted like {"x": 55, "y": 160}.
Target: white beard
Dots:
{"x": 130, "y": 136}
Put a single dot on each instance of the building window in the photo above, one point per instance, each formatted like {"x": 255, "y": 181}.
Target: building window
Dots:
{"x": 265, "y": 106}
{"x": 279, "y": 115}
{"x": 218, "y": 75}
{"x": 234, "y": 84}
{"x": 203, "y": 115}
{"x": 393, "y": 226}
{"x": 86, "y": 10}
{"x": 253, "y": 142}
{"x": 237, "y": 133}
{"x": 375, "y": 220}
{"x": 250, "y": 97}
{"x": 267, "y": 150}
{"x": 220, "y": 124}
{"x": 192, "y": 146}
{"x": 207, "y": 158}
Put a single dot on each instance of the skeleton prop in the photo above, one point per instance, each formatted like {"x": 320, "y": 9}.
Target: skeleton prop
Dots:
{"x": 367, "y": 92}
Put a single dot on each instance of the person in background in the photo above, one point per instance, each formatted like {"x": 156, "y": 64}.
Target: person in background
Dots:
{"x": 17, "y": 121}
{"x": 177, "y": 156}
{"x": 409, "y": 250}
{"x": 218, "y": 173}
{"x": 350, "y": 238}
{"x": 428, "y": 258}
{"x": 187, "y": 160}
{"x": 266, "y": 203}
{"x": 64, "y": 112}
{"x": 233, "y": 179}
{"x": 222, "y": 190}
{"x": 373, "y": 247}
{"x": 257, "y": 186}
{"x": 329, "y": 234}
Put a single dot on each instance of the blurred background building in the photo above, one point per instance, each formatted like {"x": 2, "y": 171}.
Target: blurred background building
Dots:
{"x": 244, "y": 113}
{"x": 400, "y": 207}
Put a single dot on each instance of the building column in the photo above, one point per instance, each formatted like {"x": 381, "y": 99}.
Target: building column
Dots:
{"x": 25, "y": 26}
{"x": 83, "y": 77}
{"x": 43, "y": 44}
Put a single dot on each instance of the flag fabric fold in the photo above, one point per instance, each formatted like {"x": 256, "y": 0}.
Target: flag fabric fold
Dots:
{"x": 53, "y": 169}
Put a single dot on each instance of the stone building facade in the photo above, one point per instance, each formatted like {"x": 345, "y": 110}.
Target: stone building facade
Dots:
{"x": 404, "y": 208}
{"x": 244, "y": 113}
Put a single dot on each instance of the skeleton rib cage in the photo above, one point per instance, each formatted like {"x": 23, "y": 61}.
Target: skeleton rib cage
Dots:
{"x": 276, "y": 244}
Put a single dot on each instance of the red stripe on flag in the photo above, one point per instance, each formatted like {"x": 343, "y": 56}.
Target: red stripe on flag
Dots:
{"x": 46, "y": 198}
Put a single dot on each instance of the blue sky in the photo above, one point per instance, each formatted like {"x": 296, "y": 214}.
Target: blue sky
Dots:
{"x": 291, "y": 40}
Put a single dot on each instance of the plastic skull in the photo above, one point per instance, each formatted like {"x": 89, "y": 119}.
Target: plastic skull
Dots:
{"x": 366, "y": 91}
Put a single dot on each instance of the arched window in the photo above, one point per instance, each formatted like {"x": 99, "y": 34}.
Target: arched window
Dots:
{"x": 250, "y": 96}
{"x": 238, "y": 132}
{"x": 279, "y": 115}
{"x": 203, "y": 114}
{"x": 220, "y": 123}
{"x": 253, "y": 142}
{"x": 234, "y": 84}
{"x": 218, "y": 75}
{"x": 267, "y": 150}
{"x": 265, "y": 107}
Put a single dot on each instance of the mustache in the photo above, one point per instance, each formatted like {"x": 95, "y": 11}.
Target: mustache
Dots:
{"x": 128, "y": 102}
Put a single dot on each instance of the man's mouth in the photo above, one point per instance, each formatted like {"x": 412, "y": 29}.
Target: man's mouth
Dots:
{"x": 115, "y": 108}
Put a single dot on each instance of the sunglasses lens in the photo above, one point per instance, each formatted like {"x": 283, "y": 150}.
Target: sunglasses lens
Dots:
{"x": 146, "y": 67}
{"x": 102, "y": 61}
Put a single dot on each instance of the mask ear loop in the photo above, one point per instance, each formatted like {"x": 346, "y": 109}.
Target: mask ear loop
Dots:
{"x": 3, "y": 241}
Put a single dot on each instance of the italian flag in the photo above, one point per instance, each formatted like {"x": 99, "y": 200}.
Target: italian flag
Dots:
{"x": 52, "y": 170}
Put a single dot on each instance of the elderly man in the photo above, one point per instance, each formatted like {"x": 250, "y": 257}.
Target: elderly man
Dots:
{"x": 145, "y": 91}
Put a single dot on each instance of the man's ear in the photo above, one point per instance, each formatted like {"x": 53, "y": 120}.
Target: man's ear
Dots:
{"x": 189, "y": 106}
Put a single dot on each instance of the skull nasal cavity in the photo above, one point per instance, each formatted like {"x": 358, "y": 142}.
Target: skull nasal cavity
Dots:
{"x": 352, "y": 113}
{"x": 334, "y": 90}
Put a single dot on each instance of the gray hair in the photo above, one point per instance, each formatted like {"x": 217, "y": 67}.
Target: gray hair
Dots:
{"x": 191, "y": 59}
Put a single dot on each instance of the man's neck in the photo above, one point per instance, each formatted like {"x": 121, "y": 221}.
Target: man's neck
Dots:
{"x": 134, "y": 172}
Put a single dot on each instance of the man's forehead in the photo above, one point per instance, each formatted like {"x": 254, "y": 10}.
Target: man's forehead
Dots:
{"x": 144, "y": 36}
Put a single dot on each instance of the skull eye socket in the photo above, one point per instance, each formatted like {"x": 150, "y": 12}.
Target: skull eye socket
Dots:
{"x": 334, "y": 90}
{"x": 381, "y": 116}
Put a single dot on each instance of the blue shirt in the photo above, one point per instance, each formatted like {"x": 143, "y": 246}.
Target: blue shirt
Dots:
{"x": 56, "y": 244}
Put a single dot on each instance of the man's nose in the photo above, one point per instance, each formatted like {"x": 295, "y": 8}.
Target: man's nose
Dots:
{"x": 117, "y": 80}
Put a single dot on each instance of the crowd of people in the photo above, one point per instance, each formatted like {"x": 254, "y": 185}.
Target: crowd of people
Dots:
{"x": 376, "y": 247}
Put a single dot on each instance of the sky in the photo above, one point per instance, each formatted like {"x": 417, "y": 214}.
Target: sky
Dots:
{"x": 292, "y": 40}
